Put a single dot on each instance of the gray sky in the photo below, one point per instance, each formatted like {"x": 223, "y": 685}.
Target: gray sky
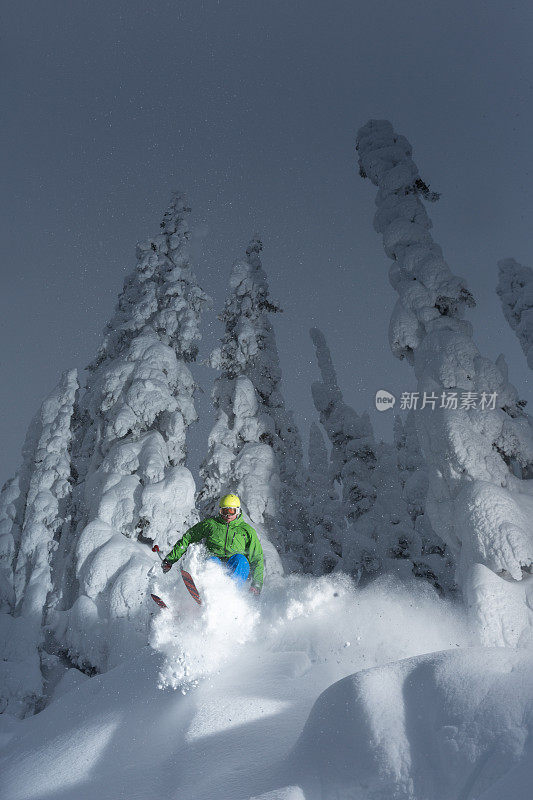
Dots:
{"x": 252, "y": 107}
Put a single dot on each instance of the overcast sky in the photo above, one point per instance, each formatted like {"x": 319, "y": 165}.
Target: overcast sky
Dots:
{"x": 252, "y": 108}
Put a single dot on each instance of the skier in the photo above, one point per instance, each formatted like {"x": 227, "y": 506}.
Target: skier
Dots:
{"x": 232, "y": 542}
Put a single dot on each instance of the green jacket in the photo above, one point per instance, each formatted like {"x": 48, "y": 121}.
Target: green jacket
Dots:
{"x": 224, "y": 539}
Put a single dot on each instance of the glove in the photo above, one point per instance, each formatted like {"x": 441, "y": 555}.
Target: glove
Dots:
{"x": 166, "y": 565}
{"x": 255, "y": 590}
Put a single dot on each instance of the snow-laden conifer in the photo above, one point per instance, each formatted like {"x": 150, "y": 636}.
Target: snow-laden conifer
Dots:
{"x": 323, "y": 510}
{"x": 47, "y": 507}
{"x": 375, "y": 527}
{"x": 475, "y": 502}
{"x": 254, "y": 447}
{"x": 515, "y": 289}
{"x": 36, "y": 508}
{"x": 353, "y": 451}
{"x": 12, "y": 503}
{"x": 428, "y": 553}
{"x": 373, "y": 530}
{"x": 353, "y": 462}
{"x": 130, "y": 449}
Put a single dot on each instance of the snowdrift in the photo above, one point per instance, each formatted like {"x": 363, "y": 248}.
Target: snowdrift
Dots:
{"x": 215, "y": 707}
{"x": 455, "y": 724}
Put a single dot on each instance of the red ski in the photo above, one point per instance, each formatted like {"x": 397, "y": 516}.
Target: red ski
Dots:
{"x": 191, "y": 586}
{"x": 158, "y": 600}
{"x": 187, "y": 580}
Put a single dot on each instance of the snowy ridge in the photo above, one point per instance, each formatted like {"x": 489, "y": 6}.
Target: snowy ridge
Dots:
{"x": 366, "y": 735}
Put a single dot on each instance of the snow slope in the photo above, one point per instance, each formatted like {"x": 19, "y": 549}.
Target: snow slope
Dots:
{"x": 216, "y": 708}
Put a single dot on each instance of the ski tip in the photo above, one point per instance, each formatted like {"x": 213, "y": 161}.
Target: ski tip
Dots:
{"x": 158, "y": 600}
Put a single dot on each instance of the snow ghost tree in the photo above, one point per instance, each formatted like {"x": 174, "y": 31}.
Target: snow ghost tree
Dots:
{"x": 429, "y": 554}
{"x": 254, "y": 447}
{"x": 515, "y": 289}
{"x": 353, "y": 460}
{"x": 375, "y": 529}
{"x": 323, "y": 510}
{"x": 129, "y": 449}
{"x": 34, "y": 511}
{"x": 471, "y": 425}
{"x": 353, "y": 456}
{"x": 12, "y": 505}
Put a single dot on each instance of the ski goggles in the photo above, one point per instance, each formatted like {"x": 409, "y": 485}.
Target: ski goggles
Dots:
{"x": 228, "y": 511}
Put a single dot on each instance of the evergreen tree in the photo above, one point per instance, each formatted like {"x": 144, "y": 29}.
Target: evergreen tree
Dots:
{"x": 515, "y": 289}
{"x": 353, "y": 453}
{"x": 323, "y": 510}
{"x": 373, "y": 530}
{"x": 12, "y": 502}
{"x": 353, "y": 462}
{"x": 428, "y": 553}
{"x": 475, "y": 503}
{"x": 130, "y": 448}
{"x": 254, "y": 447}
{"x": 35, "y": 508}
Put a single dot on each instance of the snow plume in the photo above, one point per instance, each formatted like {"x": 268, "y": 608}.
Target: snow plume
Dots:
{"x": 254, "y": 447}
{"x": 475, "y": 502}
{"x": 226, "y": 619}
{"x": 515, "y": 289}
{"x": 294, "y": 614}
{"x": 35, "y": 510}
{"x": 129, "y": 451}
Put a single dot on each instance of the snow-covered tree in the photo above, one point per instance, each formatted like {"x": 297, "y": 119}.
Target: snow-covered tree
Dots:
{"x": 130, "y": 448}
{"x": 353, "y": 453}
{"x": 381, "y": 540}
{"x": 12, "y": 502}
{"x": 421, "y": 545}
{"x": 515, "y": 289}
{"x": 35, "y": 509}
{"x": 377, "y": 527}
{"x": 323, "y": 510}
{"x": 254, "y": 447}
{"x": 470, "y": 422}
{"x": 353, "y": 463}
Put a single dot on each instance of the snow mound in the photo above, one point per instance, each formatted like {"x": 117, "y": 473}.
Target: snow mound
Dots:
{"x": 439, "y": 726}
{"x": 247, "y": 675}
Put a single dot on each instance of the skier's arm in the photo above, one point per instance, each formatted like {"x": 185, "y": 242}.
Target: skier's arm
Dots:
{"x": 194, "y": 534}
{"x": 254, "y": 554}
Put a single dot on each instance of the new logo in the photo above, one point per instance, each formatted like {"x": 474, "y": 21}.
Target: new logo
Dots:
{"x": 384, "y": 400}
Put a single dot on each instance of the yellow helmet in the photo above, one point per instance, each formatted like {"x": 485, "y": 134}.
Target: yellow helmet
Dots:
{"x": 229, "y": 501}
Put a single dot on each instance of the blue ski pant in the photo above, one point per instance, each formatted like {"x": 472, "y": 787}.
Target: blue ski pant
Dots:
{"x": 237, "y": 566}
